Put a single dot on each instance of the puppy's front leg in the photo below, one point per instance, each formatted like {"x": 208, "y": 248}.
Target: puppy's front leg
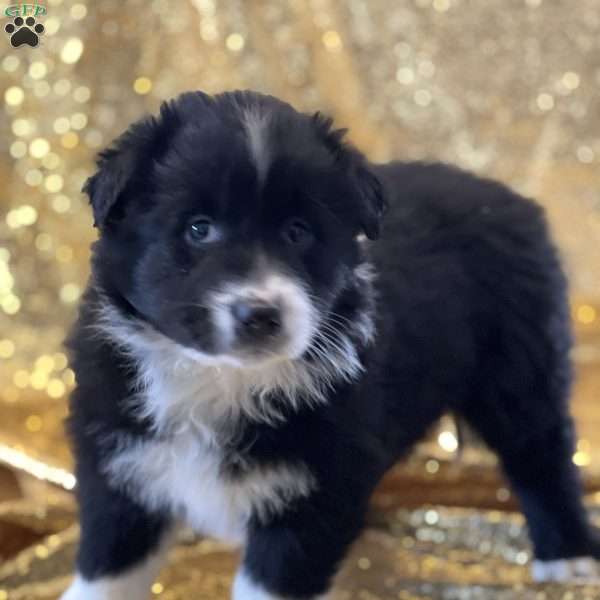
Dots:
{"x": 245, "y": 588}
{"x": 296, "y": 556}
{"x": 131, "y": 584}
{"x": 122, "y": 544}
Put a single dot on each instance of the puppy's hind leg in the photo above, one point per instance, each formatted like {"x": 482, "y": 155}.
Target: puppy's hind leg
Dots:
{"x": 520, "y": 409}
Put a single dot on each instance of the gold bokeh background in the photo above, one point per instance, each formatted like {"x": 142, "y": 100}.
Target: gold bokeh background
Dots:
{"x": 506, "y": 88}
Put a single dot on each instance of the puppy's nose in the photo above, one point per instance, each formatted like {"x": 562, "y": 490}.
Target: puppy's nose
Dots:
{"x": 257, "y": 318}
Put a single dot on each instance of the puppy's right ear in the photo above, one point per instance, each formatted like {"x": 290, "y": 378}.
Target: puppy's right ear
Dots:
{"x": 142, "y": 144}
{"x": 104, "y": 188}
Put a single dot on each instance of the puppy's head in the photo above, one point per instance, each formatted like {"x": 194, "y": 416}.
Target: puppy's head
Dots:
{"x": 231, "y": 225}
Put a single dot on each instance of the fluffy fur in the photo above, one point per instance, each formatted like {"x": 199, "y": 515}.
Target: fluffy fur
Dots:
{"x": 251, "y": 361}
{"x": 184, "y": 475}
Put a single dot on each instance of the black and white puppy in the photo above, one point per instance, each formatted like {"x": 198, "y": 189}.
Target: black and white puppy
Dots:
{"x": 250, "y": 364}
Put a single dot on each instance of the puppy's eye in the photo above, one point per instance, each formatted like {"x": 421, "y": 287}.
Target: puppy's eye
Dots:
{"x": 298, "y": 233}
{"x": 202, "y": 231}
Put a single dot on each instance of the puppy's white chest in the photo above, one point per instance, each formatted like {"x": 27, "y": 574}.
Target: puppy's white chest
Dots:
{"x": 185, "y": 477}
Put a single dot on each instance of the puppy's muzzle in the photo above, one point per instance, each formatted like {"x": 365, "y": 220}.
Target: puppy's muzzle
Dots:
{"x": 256, "y": 320}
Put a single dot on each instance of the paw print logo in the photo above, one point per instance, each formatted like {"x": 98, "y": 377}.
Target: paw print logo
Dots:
{"x": 24, "y": 31}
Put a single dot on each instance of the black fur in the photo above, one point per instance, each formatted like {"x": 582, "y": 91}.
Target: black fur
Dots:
{"x": 472, "y": 317}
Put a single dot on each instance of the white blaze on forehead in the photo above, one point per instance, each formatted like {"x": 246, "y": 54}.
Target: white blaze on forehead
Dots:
{"x": 256, "y": 124}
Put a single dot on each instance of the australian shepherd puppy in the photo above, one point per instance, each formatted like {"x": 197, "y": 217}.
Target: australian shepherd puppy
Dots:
{"x": 250, "y": 362}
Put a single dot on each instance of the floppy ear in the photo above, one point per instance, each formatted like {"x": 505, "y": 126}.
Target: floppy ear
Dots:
{"x": 115, "y": 167}
{"x": 145, "y": 141}
{"x": 368, "y": 187}
{"x": 372, "y": 199}
{"x": 118, "y": 164}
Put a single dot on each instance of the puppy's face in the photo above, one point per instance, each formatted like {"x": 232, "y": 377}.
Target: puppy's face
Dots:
{"x": 231, "y": 225}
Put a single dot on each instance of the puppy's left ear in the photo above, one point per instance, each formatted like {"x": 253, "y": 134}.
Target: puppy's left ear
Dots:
{"x": 372, "y": 199}
{"x": 370, "y": 191}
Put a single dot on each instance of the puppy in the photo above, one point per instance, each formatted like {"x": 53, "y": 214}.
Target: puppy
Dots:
{"x": 249, "y": 363}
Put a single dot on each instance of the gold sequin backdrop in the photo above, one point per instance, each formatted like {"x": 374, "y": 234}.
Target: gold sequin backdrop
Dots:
{"x": 507, "y": 88}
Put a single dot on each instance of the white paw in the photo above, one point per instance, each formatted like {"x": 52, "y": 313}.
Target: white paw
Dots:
{"x": 584, "y": 570}
{"x": 121, "y": 588}
{"x": 78, "y": 590}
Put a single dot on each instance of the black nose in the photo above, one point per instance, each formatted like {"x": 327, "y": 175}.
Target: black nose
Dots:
{"x": 257, "y": 318}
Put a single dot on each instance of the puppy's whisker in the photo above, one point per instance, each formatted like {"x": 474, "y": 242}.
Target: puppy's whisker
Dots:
{"x": 332, "y": 334}
{"x": 332, "y": 344}
{"x": 326, "y": 343}
{"x": 339, "y": 318}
